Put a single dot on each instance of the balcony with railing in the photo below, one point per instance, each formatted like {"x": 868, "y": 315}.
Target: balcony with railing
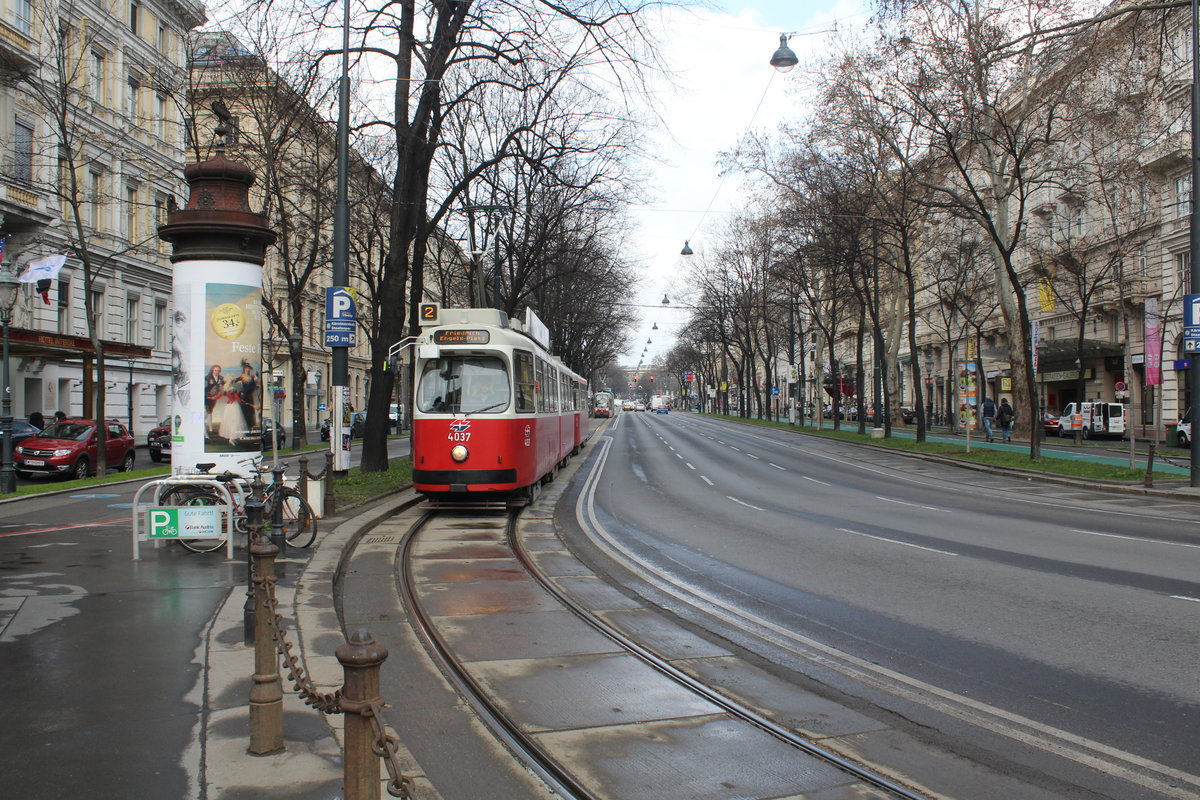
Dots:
{"x": 18, "y": 48}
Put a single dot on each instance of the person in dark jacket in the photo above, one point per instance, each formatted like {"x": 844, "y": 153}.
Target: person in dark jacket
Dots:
{"x": 989, "y": 416}
{"x": 1005, "y": 416}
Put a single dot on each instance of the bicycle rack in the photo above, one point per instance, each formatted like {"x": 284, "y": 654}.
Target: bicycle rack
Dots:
{"x": 226, "y": 509}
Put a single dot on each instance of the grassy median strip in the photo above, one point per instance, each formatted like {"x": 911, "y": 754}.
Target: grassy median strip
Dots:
{"x": 358, "y": 487}
{"x": 1009, "y": 459}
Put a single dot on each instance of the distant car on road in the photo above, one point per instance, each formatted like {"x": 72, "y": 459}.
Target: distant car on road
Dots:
{"x": 907, "y": 414}
{"x": 639, "y": 406}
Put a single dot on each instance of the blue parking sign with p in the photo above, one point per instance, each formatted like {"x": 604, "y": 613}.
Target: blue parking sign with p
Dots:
{"x": 341, "y": 317}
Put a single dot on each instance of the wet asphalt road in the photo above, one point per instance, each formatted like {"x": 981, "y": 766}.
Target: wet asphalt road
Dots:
{"x": 100, "y": 652}
{"x": 1074, "y": 609}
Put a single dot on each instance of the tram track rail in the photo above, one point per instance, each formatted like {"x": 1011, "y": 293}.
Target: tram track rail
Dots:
{"x": 524, "y": 745}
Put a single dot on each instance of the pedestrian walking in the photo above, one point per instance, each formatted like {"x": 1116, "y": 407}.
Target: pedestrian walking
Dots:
{"x": 1005, "y": 415}
{"x": 989, "y": 416}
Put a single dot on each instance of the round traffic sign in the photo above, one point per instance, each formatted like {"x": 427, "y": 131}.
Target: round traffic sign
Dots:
{"x": 1120, "y": 387}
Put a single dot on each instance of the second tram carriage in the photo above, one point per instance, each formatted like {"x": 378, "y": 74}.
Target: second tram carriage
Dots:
{"x": 494, "y": 413}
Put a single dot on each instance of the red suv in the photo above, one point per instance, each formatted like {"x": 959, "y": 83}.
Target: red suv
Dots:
{"x": 68, "y": 448}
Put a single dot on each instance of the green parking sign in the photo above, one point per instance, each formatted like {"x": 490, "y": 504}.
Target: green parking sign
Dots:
{"x": 196, "y": 522}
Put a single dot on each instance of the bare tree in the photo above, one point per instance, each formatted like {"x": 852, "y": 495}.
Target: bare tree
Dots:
{"x": 70, "y": 90}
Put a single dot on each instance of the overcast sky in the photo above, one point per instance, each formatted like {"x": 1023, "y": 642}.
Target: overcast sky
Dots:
{"x": 720, "y": 58}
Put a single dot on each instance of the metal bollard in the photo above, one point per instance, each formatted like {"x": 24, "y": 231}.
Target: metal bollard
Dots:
{"x": 328, "y": 476}
{"x": 254, "y": 523}
{"x": 266, "y": 693}
{"x": 277, "y": 537}
{"x": 361, "y": 658}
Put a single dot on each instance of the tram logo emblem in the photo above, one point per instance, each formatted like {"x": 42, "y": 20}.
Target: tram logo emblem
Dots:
{"x": 460, "y": 425}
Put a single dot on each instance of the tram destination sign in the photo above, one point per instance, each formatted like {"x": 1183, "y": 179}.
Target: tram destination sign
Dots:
{"x": 459, "y": 336}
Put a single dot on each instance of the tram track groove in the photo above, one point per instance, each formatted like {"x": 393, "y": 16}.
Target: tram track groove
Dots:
{"x": 501, "y": 725}
{"x": 524, "y": 743}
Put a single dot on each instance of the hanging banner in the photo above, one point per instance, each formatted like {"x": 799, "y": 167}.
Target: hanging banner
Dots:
{"x": 1153, "y": 340}
{"x": 1034, "y": 331}
{"x": 216, "y": 356}
{"x": 967, "y": 397}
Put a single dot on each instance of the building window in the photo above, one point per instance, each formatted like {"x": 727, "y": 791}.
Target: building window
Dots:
{"x": 160, "y": 326}
{"x": 163, "y": 42}
{"x": 134, "y": 8}
{"x": 1183, "y": 267}
{"x": 97, "y": 304}
{"x": 1183, "y": 196}
{"x": 95, "y": 200}
{"x": 131, "y": 209}
{"x": 22, "y": 163}
{"x": 64, "y": 305}
{"x": 133, "y": 88}
{"x": 97, "y": 76}
{"x": 24, "y": 16}
{"x": 132, "y": 322}
{"x": 161, "y": 107}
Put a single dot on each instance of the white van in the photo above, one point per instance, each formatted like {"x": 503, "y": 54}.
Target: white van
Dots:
{"x": 1094, "y": 419}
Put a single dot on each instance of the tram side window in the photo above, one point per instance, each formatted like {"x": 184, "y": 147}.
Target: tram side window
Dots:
{"x": 523, "y": 381}
{"x": 539, "y": 386}
{"x": 552, "y": 380}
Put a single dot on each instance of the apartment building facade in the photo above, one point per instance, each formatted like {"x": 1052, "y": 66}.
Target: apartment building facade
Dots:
{"x": 93, "y": 137}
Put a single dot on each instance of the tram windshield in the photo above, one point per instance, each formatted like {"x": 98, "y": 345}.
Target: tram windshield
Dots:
{"x": 464, "y": 385}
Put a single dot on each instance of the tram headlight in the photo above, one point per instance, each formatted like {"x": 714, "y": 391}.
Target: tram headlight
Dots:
{"x": 459, "y": 453}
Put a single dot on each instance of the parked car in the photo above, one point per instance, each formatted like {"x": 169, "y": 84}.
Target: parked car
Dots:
{"x": 907, "y": 414}
{"x": 22, "y": 430}
{"x": 268, "y": 425}
{"x": 358, "y": 424}
{"x": 1050, "y": 424}
{"x": 158, "y": 441}
{"x": 1183, "y": 429}
{"x": 69, "y": 448}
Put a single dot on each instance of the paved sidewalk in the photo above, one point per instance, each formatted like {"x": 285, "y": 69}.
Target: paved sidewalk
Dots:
{"x": 310, "y": 768}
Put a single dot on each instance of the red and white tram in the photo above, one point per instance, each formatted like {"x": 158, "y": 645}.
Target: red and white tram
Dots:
{"x": 493, "y": 411}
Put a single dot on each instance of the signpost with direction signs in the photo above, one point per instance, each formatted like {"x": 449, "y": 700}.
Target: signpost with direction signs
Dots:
{"x": 1191, "y": 323}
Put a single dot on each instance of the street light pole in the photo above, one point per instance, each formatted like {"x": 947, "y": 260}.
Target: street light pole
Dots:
{"x": 8, "y": 296}
{"x": 340, "y": 366}
{"x": 1194, "y": 371}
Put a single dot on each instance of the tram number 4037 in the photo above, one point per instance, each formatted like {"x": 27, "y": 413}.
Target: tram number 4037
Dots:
{"x": 459, "y": 436}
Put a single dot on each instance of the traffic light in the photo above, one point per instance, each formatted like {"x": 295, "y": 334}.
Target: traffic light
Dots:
{"x": 652, "y": 379}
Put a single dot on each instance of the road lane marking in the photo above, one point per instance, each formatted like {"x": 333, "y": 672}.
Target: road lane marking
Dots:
{"x": 814, "y": 480}
{"x": 756, "y": 458}
{"x": 913, "y": 505}
{"x": 1185, "y": 597}
{"x": 776, "y": 466}
{"x": 1135, "y": 538}
{"x": 706, "y": 480}
{"x": 67, "y": 527}
{"x": 1096, "y": 755}
{"x": 743, "y": 502}
{"x": 731, "y": 447}
{"x": 677, "y": 455}
{"x": 689, "y": 466}
{"x": 897, "y": 541}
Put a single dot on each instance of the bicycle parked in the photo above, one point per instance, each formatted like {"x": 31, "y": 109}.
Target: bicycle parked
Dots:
{"x": 299, "y": 520}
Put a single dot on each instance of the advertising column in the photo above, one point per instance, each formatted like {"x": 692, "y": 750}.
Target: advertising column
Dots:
{"x": 216, "y": 332}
